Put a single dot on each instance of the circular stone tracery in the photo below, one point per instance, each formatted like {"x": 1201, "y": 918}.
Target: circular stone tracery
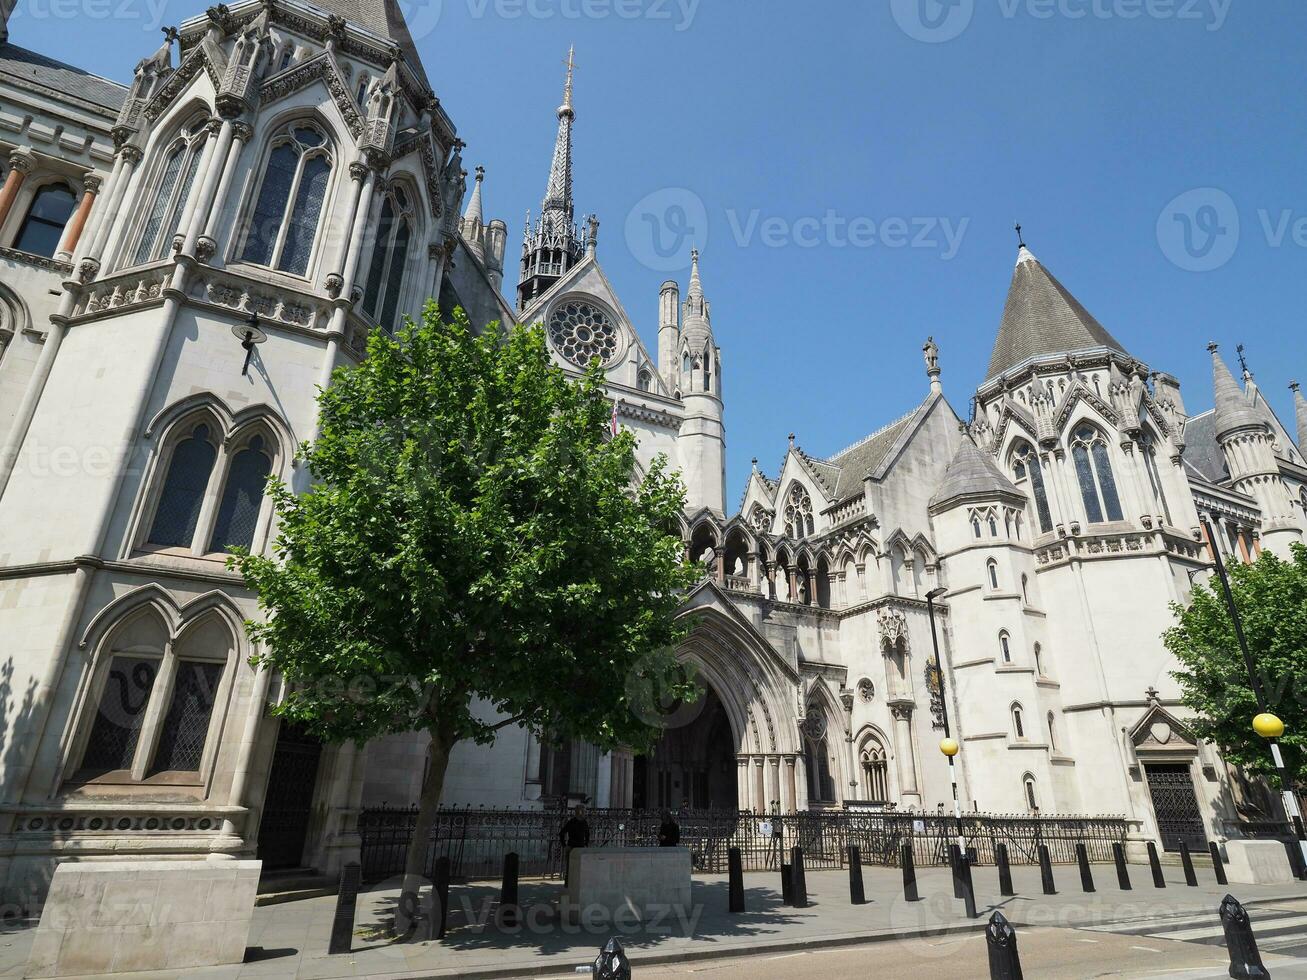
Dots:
{"x": 580, "y": 332}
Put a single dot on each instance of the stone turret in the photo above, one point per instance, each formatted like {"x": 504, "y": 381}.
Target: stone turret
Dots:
{"x": 669, "y": 330}
{"x": 702, "y": 443}
{"x": 485, "y": 241}
{"x": 1300, "y": 411}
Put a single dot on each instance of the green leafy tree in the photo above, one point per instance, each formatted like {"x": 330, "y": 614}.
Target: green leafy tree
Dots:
{"x": 1271, "y": 595}
{"x": 475, "y": 552}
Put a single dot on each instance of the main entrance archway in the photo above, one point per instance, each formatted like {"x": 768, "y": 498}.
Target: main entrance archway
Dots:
{"x": 691, "y": 765}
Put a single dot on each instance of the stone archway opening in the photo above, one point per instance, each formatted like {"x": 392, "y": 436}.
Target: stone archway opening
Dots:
{"x": 691, "y": 765}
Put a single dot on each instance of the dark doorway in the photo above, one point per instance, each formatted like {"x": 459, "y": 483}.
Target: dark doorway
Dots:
{"x": 1176, "y": 806}
{"x": 692, "y": 763}
{"x": 288, "y": 802}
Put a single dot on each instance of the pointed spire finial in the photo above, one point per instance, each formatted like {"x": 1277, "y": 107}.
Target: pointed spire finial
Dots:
{"x": 1243, "y": 363}
{"x": 567, "y": 88}
{"x": 1021, "y": 242}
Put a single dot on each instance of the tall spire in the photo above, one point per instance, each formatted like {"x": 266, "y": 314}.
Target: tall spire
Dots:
{"x": 1300, "y": 410}
{"x": 474, "y": 210}
{"x": 558, "y": 196}
{"x": 696, "y": 324}
{"x": 1232, "y": 408}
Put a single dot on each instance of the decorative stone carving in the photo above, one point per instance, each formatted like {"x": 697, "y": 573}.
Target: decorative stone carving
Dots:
{"x": 866, "y": 690}
{"x": 893, "y": 626}
{"x": 935, "y": 687}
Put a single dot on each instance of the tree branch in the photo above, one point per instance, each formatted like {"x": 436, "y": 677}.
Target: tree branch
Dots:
{"x": 508, "y": 721}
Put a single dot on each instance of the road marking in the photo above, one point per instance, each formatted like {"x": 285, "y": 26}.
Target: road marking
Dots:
{"x": 1146, "y": 949}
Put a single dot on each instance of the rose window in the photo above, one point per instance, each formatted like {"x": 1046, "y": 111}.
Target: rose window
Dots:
{"x": 580, "y": 332}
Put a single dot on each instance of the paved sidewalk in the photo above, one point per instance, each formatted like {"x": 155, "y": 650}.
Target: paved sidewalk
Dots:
{"x": 290, "y": 940}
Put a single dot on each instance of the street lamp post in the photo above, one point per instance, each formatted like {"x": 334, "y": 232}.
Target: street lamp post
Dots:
{"x": 948, "y": 745}
{"x": 1265, "y": 724}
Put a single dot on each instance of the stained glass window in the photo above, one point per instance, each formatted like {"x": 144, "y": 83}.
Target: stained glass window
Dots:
{"x": 271, "y": 208}
{"x": 169, "y": 201}
{"x": 377, "y": 268}
{"x": 1026, "y": 461}
{"x": 117, "y": 728}
{"x": 395, "y": 276}
{"x": 44, "y": 225}
{"x": 159, "y": 206}
{"x": 186, "y": 725}
{"x": 1094, "y": 474}
{"x": 284, "y": 225}
{"x": 238, "y": 513}
{"x": 183, "y": 491}
{"x": 304, "y": 218}
{"x": 1088, "y": 491}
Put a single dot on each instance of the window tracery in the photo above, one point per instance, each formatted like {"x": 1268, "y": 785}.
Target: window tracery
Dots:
{"x": 1094, "y": 472}
{"x": 288, "y": 210}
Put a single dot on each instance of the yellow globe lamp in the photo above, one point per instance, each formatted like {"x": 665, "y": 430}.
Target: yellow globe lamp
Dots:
{"x": 1268, "y": 725}
{"x": 949, "y": 746}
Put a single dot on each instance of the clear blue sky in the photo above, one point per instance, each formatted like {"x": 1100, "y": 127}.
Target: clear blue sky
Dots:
{"x": 1085, "y": 128}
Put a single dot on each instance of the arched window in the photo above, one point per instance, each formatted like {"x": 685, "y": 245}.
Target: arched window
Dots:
{"x": 1018, "y": 723}
{"x": 644, "y": 380}
{"x": 163, "y": 209}
{"x": 1028, "y": 784}
{"x": 798, "y": 511}
{"x": 1052, "y": 732}
{"x": 1025, "y": 466}
{"x": 992, "y": 566}
{"x": 1302, "y": 500}
{"x": 1039, "y": 660}
{"x": 189, "y": 470}
{"x": 993, "y": 526}
{"x": 362, "y": 94}
{"x": 975, "y": 525}
{"x": 1005, "y": 646}
{"x": 287, "y": 56}
{"x": 389, "y": 258}
{"x": 284, "y": 225}
{"x": 41, "y": 230}
{"x": 816, "y": 758}
{"x": 707, "y": 372}
{"x": 875, "y": 770}
{"x": 1148, "y": 446}
{"x": 1094, "y": 472}
{"x": 242, "y": 498}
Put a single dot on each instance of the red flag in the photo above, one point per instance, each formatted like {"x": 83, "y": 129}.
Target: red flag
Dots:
{"x": 612, "y": 423}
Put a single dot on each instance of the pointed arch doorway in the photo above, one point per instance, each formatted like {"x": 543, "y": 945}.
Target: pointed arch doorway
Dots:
{"x": 691, "y": 765}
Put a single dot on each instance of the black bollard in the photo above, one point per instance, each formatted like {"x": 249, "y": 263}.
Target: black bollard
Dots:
{"x": 1046, "y": 871}
{"x": 1217, "y": 864}
{"x": 736, "y": 891}
{"x": 1001, "y": 938}
{"x": 968, "y": 886}
{"x": 508, "y": 891}
{"x": 1122, "y": 872}
{"x": 1004, "y": 871}
{"x": 440, "y": 895}
{"x": 798, "y": 880}
{"x": 857, "y": 894}
{"x": 1245, "y": 960}
{"x": 611, "y": 963}
{"x": 1296, "y": 864}
{"x": 909, "y": 874}
{"x": 1086, "y": 874}
{"x": 1186, "y": 859}
{"x": 955, "y": 868}
{"x": 1156, "y": 865}
{"x": 342, "y": 926}
{"x": 787, "y": 885}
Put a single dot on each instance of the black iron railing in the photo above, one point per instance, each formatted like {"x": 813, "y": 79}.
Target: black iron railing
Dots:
{"x": 476, "y": 840}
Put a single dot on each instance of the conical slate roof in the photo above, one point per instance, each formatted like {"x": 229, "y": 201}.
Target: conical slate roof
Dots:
{"x": 382, "y": 17}
{"x": 972, "y": 473}
{"x": 1042, "y": 317}
{"x": 1233, "y": 410}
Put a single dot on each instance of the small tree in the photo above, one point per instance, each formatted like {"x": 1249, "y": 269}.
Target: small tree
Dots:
{"x": 474, "y": 553}
{"x": 1271, "y": 595}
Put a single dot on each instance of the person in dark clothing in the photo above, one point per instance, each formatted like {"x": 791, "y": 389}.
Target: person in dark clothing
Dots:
{"x": 575, "y": 833}
{"x": 669, "y": 833}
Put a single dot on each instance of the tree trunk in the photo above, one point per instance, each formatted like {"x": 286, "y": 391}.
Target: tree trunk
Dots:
{"x": 415, "y": 865}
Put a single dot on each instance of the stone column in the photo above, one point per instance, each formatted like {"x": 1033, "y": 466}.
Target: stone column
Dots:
{"x": 751, "y": 569}
{"x": 201, "y": 191}
{"x": 759, "y": 788}
{"x": 21, "y": 163}
{"x": 773, "y": 780}
{"x": 902, "y": 712}
{"x": 604, "y": 781}
{"x": 207, "y": 244}
{"x": 73, "y": 230}
{"x": 788, "y": 800}
{"x": 128, "y": 159}
{"x": 742, "y": 783}
{"x": 793, "y": 580}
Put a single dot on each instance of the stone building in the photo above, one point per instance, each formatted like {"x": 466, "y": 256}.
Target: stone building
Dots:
{"x": 186, "y": 257}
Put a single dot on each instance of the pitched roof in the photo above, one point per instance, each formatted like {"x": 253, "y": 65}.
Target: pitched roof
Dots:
{"x": 1202, "y": 453}
{"x": 381, "y": 17}
{"x": 1042, "y": 317}
{"x": 860, "y": 459}
{"x": 27, "y": 68}
{"x": 971, "y": 473}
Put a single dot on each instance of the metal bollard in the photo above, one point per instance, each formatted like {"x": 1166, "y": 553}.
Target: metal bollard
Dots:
{"x": 787, "y": 884}
{"x": 1086, "y": 874}
{"x": 1245, "y": 960}
{"x": 1190, "y": 878}
{"x": 1046, "y": 871}
{"x": 968, "y": 886}
{"x": 1001, "y": 939}
{"x": 1156, "y": 866}
{"x": 798, "y": 880}
{"x": 909, "y": 874}
{"x": 1004, "y": 871}
{"x": 955, "y": 868}
{"x": 857, "y": 893}
{"x": 1217, "y": 864}
{"x": 1122, "y": 872}
{"x": 611, "y": 963}
{"x": 1296, "y": 863}
{"x": 342, "y": 926}
{"x": 736, "y": 889}
{"x": 508, "y": 891}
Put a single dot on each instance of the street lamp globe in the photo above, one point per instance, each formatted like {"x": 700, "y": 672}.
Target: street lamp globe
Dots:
{"x": 1268, "y": 725}
{"x": 949, "y": 746}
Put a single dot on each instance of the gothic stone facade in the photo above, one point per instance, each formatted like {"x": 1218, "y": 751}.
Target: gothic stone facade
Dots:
{"x": 281, "y": 171}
